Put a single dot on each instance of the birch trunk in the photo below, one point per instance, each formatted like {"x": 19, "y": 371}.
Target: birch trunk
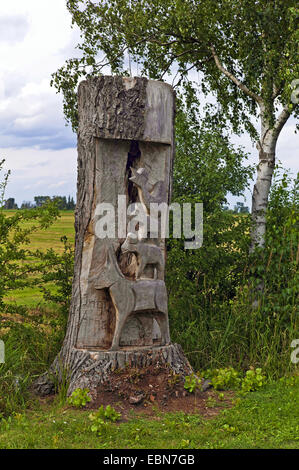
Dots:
{"x": 265, "y": 168}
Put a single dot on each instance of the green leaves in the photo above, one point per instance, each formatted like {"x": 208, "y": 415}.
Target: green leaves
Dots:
{"x": 102, "y": 418}
{"x": 58, "y": 269}
{"x": 192, "y": 382}
{"x": 253, "y": 380}
{"x": 255, "y": 42}
{"x": 224, "y": 379}
{"x": 79, "y": 398}
{"x": 16, "y": 267}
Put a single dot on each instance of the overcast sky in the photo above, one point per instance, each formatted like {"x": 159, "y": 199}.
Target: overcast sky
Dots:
{"x": 35, "y": 39}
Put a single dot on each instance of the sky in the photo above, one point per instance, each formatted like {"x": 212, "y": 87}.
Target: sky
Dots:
{"x": 40, "y": 150}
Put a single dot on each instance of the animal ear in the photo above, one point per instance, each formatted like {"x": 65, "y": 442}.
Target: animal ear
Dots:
{"x": 132, "y": 237}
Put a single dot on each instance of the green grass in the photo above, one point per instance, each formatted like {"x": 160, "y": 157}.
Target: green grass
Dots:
{"x": 265, "y": 419}
{"x": 43, "y": 240}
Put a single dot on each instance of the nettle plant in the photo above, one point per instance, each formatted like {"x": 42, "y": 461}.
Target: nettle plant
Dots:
{"x": 103, "y": 418}
{"x": 192, "y": 382}
{"x": 224, "y": 379}
{"x": 79, "y": 398}
{"x": 253, "y": 380}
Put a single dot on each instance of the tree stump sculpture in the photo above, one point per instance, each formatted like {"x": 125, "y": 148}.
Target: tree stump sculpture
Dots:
{"x": 118, "y": 315}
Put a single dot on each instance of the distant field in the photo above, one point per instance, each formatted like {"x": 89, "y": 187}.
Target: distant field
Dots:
{"x": 50, "y": 238}
{"x": 43, "y": 240}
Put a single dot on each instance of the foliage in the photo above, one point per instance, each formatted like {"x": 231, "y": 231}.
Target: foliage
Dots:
{"x": 102, "y": 418}
{"x": 62, "y": 202}
{"x": 213, "y": 319}
{"x": 276, "y": 266}
{"x": 15, "y": 230}
{"x": 258, "y": 48}
{"x": 224, "y": 379}
{"x": 79, "y": 398}
{"x": 58, "y": 269}
{"x": 253, "y": 380}
{"x": 228, "y": 378}
{"x": 207, "y": 167}
{"x": 192, "y": 382}
{"x": 29, "y": 349}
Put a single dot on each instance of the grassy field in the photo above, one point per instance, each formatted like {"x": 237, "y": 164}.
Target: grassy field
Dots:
{"x": 50, "y": 238}
{"x": 267, "y": 419}
{"x": 44, "y": 240}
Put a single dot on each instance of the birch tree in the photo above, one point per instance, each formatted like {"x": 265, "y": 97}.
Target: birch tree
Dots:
{"x": 245, "y": 52}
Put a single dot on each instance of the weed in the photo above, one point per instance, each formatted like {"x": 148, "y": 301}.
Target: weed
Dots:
{"x": 102, "y": 419}
{"x": 192, "y": 382}
{"x": 79, "y": 398}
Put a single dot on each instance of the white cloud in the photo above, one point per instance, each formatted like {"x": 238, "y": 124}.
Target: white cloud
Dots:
{"x": 40, "y": 172}
{"x": 30, "y": 110}
{"x": 13, "y": 28}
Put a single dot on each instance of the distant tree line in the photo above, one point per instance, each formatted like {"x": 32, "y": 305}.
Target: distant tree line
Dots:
{"x": 239, "y": 208}
{"x": 63, "y": 202}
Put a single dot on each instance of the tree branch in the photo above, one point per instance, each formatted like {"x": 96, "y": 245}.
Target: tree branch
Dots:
{"x": 281, "y": 120}
{"x": 237, "y": 82}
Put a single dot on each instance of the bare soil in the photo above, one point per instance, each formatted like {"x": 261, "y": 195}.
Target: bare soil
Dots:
{"x": 155, "y": 389}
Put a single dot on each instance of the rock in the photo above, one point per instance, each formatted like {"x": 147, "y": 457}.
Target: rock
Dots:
{"x": 206, "y": 385}
{"x": 137, "y": 399}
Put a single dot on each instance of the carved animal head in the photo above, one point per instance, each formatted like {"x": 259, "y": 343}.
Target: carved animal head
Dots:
{"x": 129, "y": 243}
{"x": 140, "y": 176}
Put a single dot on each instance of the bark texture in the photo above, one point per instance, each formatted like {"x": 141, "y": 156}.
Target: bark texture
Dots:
{"x": 116, "y": 116}
{"x": 89, "y": 369}
{"x": 267, "y": 149}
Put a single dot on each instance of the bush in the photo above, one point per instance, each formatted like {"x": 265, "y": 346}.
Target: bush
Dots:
{"x": 29, "y": 349}
{"x": 216, "y": 325}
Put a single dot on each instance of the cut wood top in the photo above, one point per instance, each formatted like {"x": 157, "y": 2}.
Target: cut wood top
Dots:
{"x": 133, "y": 108}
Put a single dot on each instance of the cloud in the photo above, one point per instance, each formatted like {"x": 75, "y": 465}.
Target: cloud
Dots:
{"x": 59, "y": 184}
{"x": 13, "y": 29}
{"x": 40, "y": 172}
{"x": 30, "y": 110}
{"x": 33, "y": 118}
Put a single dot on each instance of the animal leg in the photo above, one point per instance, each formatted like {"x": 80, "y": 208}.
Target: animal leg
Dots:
{"x": 140, "y": 268}
{"x": 164, "y": 327}
{"x": 120, "y": 321}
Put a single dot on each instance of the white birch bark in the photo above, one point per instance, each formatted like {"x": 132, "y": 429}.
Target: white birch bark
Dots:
{"x": 267, "y": 150}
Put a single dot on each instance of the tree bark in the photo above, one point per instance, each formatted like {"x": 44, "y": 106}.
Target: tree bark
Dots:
{"x": 122, "y": 122}
{"x": 267, "y": 152}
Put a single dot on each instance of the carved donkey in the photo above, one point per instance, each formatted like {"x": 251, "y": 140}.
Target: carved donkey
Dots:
{"x": 131, "y": 297}
{"x": 146, "y": 254}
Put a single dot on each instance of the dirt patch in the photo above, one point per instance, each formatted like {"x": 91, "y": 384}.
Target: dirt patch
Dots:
{"x": 155, "y": 389}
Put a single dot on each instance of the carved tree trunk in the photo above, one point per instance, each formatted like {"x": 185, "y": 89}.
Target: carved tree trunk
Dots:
{"x": 124, "y": 123}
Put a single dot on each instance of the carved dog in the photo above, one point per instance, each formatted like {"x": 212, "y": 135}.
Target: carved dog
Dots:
{"x": 146, "y": 254}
